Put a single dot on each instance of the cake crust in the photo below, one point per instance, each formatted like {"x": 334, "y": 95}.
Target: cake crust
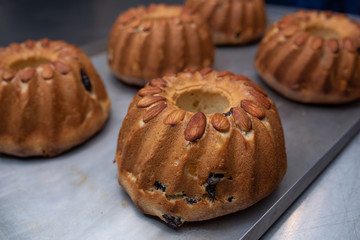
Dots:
{"x": 312, "y": 57}
{"x": 183, "y": 165}
{"x": 51, "y": 98}
{"x": 232, "y": 22}
{"x": 148, "y": 42}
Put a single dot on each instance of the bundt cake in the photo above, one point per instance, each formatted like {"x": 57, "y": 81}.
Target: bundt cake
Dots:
{"x": 146, "y": 43}
{"x": 51, "y": 98}
{"x": 198, "y": 145}
{"x": 312, "y": 57}
{"x": 232, "y": 21}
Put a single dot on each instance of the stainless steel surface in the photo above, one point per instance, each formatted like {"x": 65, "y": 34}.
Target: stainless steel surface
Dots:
{"x": 76, "y": 195}
{"x": 330, "y": 208}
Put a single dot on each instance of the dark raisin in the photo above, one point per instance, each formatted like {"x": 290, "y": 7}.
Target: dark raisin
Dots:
{"x": 160, "y": 186}
{"x": 358, "y": 50}
{"x": 238, "y": 34}
{"x": 229, "y": 113}
{"x": 211, "y": 189}
{"x": 85, "y": 80}
{"x": 212, "y": 180}
{"x": 191, "y": 200}
{"x": 230, "y": 178}
{"x": 230, "y": 199}
{"x": 173, "y": 222}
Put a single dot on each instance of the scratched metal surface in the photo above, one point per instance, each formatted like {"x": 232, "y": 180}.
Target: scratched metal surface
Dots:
{"x": 76, "y": 195}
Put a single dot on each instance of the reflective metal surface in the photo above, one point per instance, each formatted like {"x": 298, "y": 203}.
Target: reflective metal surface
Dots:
{"x": 76, "y": 195}
{"x": 330, "y": 208}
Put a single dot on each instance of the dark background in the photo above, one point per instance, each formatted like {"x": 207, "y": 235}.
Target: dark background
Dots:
{"x": 83, "y": 21}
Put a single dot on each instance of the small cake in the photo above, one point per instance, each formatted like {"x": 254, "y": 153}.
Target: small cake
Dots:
{"x": 312, "y": 57}
{"x": 146, "y": 43}
{"x": 51, "y": 98}
{"x": 232, "y": 21}
{"x": 198, "y": 145}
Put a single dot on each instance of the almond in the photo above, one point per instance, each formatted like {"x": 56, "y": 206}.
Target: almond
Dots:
{"x": 158, "y": 82}
{"x": 136, "y": 23}
{"x": 15, "y": 47}
{"x": 333, "y": 45}
{"x": 242, "y": 120}
{"x": 147, "y": 25}
{"x": 149, "y": 91}
{"x": 9, "y": 74}
{"x": 224, "y": 73}
{"x": 61, "y": 67}
{"x": 47, "y": 72}
{"x": 45, "y": 42}
{"x": 149, "y": 100}
{"x": 220, "y": 122}
{"x": 30, "y": 44}
{"x": 260, "y": 98}
{"x": 256, "y": 87}
{"x": 27, "y": 74}
{"x": 154, "y": 111}
{"x": 288, "y": 32}
{"x": 317, "y": 43}
{"x": 349, "y": 44}
{"x": 196, "y": 127}
{"x": 239, "y": 78}
{"x": 302, "y": 38}
{"x": 205, "y": 71}
{"x": 175, "y": 117}
{"x": 253, "y": 109}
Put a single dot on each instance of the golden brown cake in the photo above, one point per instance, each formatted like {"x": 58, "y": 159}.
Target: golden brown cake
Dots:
{"x": 312, "y": 57}
{"x": 198, "y": 145}
{"x": 232, "y": 21}
{"x": 146, "y": 43}
{"x": 51, "y": 98}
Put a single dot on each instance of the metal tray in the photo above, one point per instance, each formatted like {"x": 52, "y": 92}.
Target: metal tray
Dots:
{"x": 76, "y": 195}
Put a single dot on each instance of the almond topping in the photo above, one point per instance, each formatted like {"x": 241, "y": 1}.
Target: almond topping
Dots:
{"x": 333, "y": 45}
{"x": 30, "y": 44}
{"x": 9, "y": 74}
{"x": 317, "y": 43}
{"x": 301, "y": 39}
{"x": 239, "y": 78}
{"x": 158, "y": 82}
{"x": 260, "y": 98}
{"x": 220, "y": 122}
{"x": 175, "y": 117}
{"x": 27, "y": 74}
{"x": 205, "y": 71}
{"x": 328, "y": 14}
{"x": 61, "y": 67}
{"x": 136, "y": 23}
{"x": 196, "y": 127}
{"x": 147, "y": 25}
{"x": 15, "y": 47}
{"x": 349, "y": 45}
{"x": 149, "y": 100}
{"x": 288, "y": 32}
{"x": 256, "y": 87}
{"x": 224, "y": 73}
{"x": 149, "y": 91}
{"x": 242, "y": 120}
{"x": 154, "y": 111}
{"x": 47, "y": 72}
{"x": 253, "y": 109}
{"x": 45, "y": 42}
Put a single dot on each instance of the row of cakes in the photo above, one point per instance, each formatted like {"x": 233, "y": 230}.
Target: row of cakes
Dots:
{"x": 207, "y": 143}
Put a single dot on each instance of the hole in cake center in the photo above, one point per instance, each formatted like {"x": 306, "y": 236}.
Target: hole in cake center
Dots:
{"x": 202, "y": 101}
{"x": 29, "y": 62}
{"x": 326, "y": 33}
